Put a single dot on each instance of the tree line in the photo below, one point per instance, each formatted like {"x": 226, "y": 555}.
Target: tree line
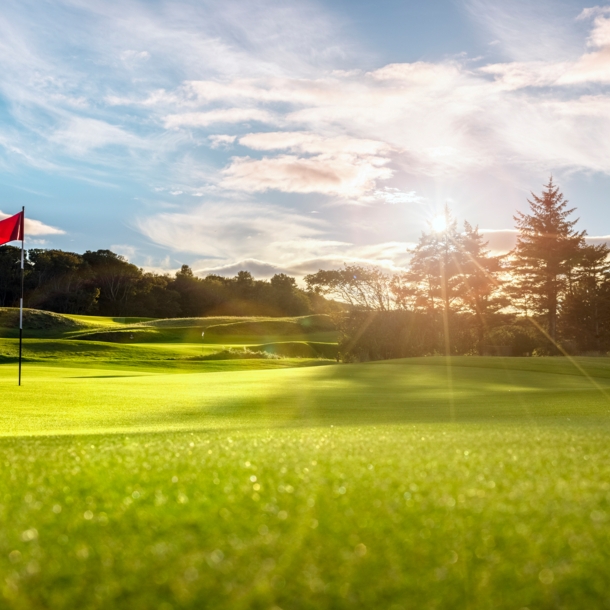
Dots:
{"x": 105, "y": 283}
{"x": 549, "y": 295}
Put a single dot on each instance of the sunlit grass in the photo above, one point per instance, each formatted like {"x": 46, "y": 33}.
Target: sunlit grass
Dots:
{"x": 342, "y": 486}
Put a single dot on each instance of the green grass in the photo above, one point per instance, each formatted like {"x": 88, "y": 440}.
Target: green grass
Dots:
{"x": 385, "y": 485}
{"x": 97, "y": 321}
{"x": 137, "y": 475}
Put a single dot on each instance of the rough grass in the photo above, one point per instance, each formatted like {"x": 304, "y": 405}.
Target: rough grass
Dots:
{"x": 36, "y": 320}
{"x": 403, "y": 484}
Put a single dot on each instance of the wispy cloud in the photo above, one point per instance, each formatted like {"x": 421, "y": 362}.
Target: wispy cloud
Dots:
{"x": 222, "y": 115}
{"x": 528, "y": 31}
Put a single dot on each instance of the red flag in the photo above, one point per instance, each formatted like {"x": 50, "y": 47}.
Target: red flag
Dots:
{"x": 11, "y": 228}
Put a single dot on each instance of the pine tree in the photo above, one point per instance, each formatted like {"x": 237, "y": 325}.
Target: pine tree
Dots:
{"x": 546, "y": 251}
{"x": 433, "y": 277}
{"x": 480, "y": 286}
{"x": 434, "y": 267}
{"x": 585, "y": 315}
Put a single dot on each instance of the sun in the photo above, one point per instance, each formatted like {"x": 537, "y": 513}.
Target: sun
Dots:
{"x": 439, "y": 223}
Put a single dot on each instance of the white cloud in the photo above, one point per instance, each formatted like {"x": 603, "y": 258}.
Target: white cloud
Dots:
{"x": 593, "y": 11}
{"x": 79, "y": 135}
{"x": 312, "y": 143}
{"x": 223, "y": 115}
{"x": 596, "y": 240}
{"x": 263, "y": 238}
{"x": 218, "y": 141}
{"x": 35, "y": 227}
{"x": 129, "y": 252}
{"x": 396, "y": 196}
{"x": 131, "y": 57}
{"x": 229, "y": 231}
{"x": 344, "y": 175}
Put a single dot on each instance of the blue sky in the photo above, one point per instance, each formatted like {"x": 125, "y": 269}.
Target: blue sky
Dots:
{"x": 276, "y": 136}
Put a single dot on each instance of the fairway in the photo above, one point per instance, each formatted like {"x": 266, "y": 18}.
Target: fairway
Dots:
{"x": 418, "y": 483}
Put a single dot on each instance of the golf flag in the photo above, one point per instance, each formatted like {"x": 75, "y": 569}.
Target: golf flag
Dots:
{"x": 11, "y": 228}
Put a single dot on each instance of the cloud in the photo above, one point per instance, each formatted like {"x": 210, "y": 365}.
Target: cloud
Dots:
{"x": 36, "y": 227}
{"x": 344, "y": 175}
{"x": 593, "y": 11}
{"x": 131, "y": 57}
{"x": 298, "y": 268}
{"x": 265, "y": 239}
{"x": 500, "y": 241}
{"x": 396, "y": 196}
{"x": 528, "y": 31}
{"x": 312, "y": 143}
{"x": 597, "y": 240}
{"x": 80, "y": 135}
{"x": 339, "y": 165}
{"x": 218, "y": 141}
{"x": 259, "y": 269}
{"x": 229, "y": 231}
{"x": 223, "y": 115}
{"x": 129, "y": 252}
{"x": 593, "y": 67}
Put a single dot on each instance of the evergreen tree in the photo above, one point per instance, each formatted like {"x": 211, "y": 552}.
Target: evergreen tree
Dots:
{"x": 585, "y": 315}
{"x": 480, "y": 286}
{"x": 433, "y": 276}
{"x": 546, "y": 252}
{"x": 435, "y": 266}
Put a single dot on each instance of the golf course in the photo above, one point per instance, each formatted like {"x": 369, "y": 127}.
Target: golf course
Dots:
{"x": 146, "y": 466}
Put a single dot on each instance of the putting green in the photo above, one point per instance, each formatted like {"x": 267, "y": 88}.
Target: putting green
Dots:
{"x": 57, "y": 400}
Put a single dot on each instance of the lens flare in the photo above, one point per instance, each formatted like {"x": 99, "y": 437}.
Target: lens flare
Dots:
{"x": 439, "y": 223}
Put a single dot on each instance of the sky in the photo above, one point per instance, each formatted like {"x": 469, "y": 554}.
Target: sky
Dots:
{"x": 293, "y": 136}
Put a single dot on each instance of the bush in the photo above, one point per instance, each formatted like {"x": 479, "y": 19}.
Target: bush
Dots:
{"x": 239, "y": 354}
{"x": 518, "y": 341}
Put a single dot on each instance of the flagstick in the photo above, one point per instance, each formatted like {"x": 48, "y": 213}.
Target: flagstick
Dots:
{"x": 21, "y": 299}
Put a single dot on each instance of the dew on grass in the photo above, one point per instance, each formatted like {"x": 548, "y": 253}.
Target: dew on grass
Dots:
{"x": 216, "y": 556}
{"x": 14, "y": 556}
{"x": 29, "y": 535}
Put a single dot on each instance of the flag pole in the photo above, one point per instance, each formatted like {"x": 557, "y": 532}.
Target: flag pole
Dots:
{"x": 21, "y": 299}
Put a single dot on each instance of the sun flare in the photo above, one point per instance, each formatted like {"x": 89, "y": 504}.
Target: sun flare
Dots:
{"x": 439, "y": 223}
